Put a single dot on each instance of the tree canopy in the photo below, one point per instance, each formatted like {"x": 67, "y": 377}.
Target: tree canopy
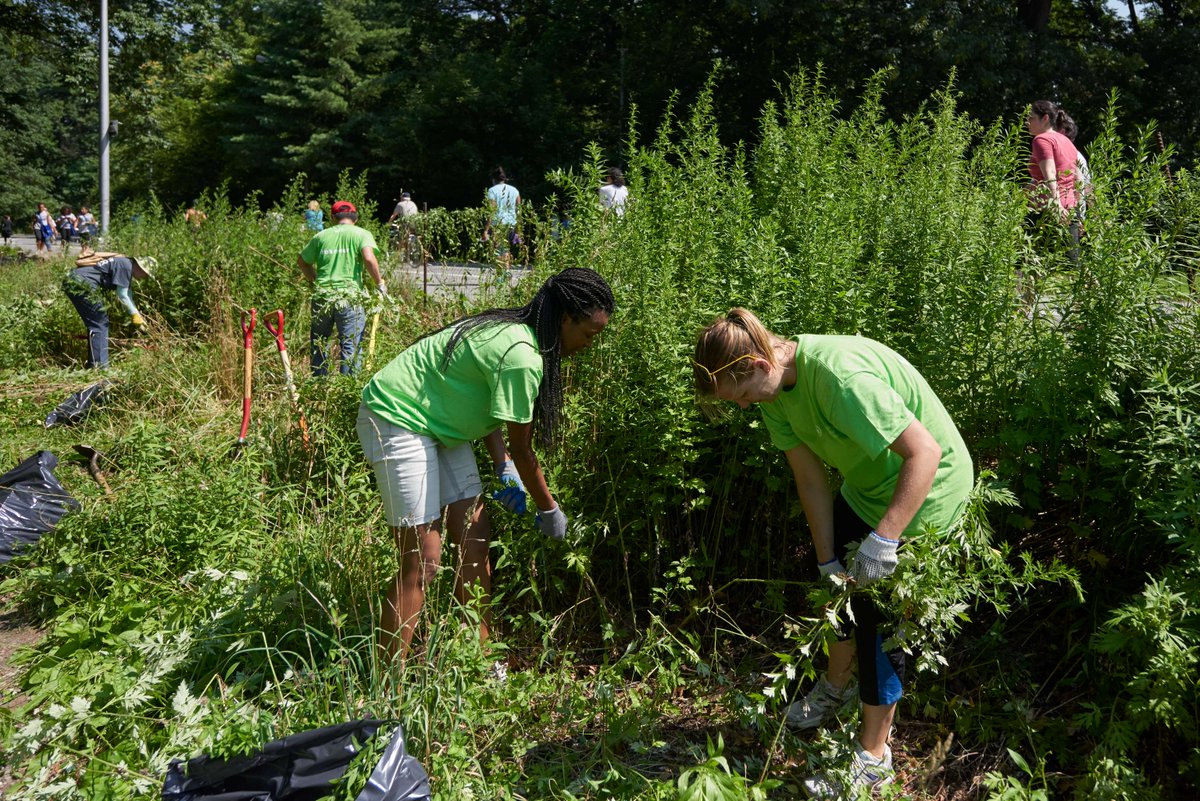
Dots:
{"x": 428, "y": 95}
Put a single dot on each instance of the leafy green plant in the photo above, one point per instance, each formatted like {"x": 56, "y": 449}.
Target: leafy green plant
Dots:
{"x": 209, "y": 605}
{"x": 1011, "y": 788}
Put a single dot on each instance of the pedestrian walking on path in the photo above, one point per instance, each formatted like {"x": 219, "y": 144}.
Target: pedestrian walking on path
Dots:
{"x": 503, "y": 200}
{"x": 44, "y": 229}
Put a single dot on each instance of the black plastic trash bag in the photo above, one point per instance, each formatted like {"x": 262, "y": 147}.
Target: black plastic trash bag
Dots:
{"x": 77, "y": 406}
{"x": 302, "y": 767}
{"x": 31, "y": 503}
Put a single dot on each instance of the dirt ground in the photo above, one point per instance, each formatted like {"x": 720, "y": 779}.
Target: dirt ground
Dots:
{"x": 14, "y": 634}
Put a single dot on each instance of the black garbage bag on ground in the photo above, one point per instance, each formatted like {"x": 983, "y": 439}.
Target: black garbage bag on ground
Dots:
{"x": 302, "y": 767}
{"x": 31, "y": 503}
{"x": 77, "y": 405}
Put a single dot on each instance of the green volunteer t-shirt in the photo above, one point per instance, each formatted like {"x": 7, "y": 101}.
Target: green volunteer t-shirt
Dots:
{"x": 852, "y": 399}
{"x": 492, "y": 379}
{"x": 336, "y": 253}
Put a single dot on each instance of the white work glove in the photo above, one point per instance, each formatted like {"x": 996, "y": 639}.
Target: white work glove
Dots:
{"x": 552, "y": 522}
{"x": 831, "y": 568}
{"x": 876, "y": 559}
{"x": 382, "y": 287}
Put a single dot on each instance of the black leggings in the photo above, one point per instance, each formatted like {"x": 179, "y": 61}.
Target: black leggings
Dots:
{"x": 880, "y": 673}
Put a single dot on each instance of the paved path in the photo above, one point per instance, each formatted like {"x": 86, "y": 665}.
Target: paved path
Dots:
{"x": 449, "y": 279}
{"x": 27, "y": 243}
{"x": 440, "y": 279}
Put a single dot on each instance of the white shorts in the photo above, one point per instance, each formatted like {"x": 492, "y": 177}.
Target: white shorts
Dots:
{"x": 416, "y": 476}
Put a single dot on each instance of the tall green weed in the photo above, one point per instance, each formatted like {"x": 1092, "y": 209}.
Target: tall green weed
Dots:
{"x": 210, "y": 605}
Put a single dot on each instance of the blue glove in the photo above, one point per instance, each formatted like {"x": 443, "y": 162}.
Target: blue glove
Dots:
{"x": 511, "y": 494}
{"x": 553, "y": 523}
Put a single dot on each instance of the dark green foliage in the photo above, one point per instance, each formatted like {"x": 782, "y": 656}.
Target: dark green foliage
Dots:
{"x": 431, "y": 95}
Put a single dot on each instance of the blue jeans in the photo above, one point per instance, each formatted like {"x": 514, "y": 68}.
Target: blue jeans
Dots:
{"x": 350, "y": 322}
{"x": 95, "y": 318}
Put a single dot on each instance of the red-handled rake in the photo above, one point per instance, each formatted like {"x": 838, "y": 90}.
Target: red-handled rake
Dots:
{"x": 277, "y": 331}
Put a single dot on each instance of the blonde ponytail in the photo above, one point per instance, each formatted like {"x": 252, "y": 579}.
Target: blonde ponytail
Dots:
{"x": 723, "y": 346}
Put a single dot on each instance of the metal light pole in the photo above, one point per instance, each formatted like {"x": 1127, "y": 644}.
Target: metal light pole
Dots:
{"x": 105, "y": 134}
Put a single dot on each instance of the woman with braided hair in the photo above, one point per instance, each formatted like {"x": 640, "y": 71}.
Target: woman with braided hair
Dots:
{"x": 858, "y": 406}
{"x": 495, "y": 372}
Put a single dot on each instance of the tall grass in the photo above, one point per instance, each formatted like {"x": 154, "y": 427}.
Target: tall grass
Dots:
{"x": 209, "y": 604}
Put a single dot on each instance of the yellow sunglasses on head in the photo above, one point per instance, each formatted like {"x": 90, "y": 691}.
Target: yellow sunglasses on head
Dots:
{"x": 712, "y": 374}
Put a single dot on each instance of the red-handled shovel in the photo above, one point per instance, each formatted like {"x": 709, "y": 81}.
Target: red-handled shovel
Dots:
{"x": 247, "y": 375}
{"x": 277, "y": 331}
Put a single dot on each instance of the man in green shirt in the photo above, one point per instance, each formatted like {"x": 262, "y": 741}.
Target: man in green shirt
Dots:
{"x": 858, "y": 406}
{"x": 334, "y": 261}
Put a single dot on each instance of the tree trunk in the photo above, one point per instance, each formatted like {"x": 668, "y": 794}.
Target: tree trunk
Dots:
{"x": 1035, "y": 14}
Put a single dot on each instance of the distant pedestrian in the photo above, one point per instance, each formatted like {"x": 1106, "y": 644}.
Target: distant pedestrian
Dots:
{"x": 503, "y": 201}
{"x": 613, "y": 192}
{"x": 1066, "y": 126}
{"x": 194, "y": 216}
{"x": 1052, "y": 162}
{"x": 87, "y": 225}
{"x": 44, "y": 229}
{"x": 314, "y": 218}
{"x": 405, "y": 208}
{"x": 1053, "y": 169}
{"x": 100, "y": 271}
{"x": 402, "y": 229}
{"x": 333, "y": 260}
{"x": 6, "y": 228}
{"x": 67, "y": 224}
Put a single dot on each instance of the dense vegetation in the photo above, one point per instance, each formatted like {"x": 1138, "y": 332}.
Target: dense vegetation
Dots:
{"x": 429, "y": 96}
{"x": 210, "y": 605}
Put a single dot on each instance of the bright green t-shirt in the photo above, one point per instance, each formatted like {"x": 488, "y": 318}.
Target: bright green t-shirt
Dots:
{"x": 336, "y": 253}
{"x": 492, "y": 379}
{"x": 852, "y": 399}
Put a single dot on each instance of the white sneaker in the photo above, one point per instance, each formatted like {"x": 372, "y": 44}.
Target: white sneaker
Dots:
{"x": 822, "y": 702}
{"x": 865, "y": 770}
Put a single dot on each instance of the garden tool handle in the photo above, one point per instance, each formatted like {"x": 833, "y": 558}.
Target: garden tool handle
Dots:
{"x": 248, "y": 373}
{"x": 248, "y": 330}
{"x": 371, "y": 339}
{"x": 288, "y": 376}
{"x": 277, "y": 329}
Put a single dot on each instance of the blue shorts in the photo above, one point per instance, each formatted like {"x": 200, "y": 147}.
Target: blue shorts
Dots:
{"x": 880, "y": 673}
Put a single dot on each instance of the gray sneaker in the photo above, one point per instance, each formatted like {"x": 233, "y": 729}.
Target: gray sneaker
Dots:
{"x": 822, "y": 702}
{"x": 865, "y": 770}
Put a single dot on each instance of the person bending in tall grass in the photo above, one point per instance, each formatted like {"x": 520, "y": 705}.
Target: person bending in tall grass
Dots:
{"x": 855, "y": 405}
{"x": 480, "y": 377}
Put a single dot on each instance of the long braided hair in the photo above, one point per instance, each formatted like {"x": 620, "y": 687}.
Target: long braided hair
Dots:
{"x": 576, "y": 292}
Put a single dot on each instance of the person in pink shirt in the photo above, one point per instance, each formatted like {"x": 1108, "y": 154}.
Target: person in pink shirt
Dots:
{"x": 1052, "y": 161}
{"x": 1053, "y": 168}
